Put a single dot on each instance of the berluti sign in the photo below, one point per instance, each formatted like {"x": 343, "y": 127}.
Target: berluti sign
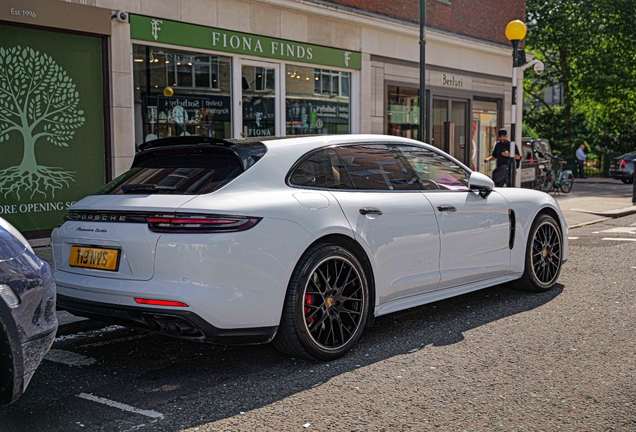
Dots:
{"x": 189, "y": 35}
{"x": 451, "y": 80}
{"x": 57, "y": 14}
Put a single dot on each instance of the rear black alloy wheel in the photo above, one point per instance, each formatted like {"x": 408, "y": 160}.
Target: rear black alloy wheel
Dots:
{"x": 326, "y": 306}
{"x": 544, "y": 256}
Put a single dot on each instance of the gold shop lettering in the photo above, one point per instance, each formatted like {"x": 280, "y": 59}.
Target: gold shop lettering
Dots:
{"x": 451, "y": 82}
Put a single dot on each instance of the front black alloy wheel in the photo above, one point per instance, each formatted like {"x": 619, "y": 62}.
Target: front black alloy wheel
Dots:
{"x": 544, "y": 256}
{"x": 326, "y": 305}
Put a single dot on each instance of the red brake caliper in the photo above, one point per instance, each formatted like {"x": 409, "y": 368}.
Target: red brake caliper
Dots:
{"x": 309, "y": 300}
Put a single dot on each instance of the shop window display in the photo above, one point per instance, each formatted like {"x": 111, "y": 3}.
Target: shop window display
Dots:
{"x": 317, "y": 101}
{"x": 181, "y": 93}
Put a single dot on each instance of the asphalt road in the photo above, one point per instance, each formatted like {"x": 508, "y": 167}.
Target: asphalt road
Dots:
{"x": 496, "y": 359}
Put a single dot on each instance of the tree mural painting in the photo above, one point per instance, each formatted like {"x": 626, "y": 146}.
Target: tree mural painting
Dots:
{"x": 38, "y": 101}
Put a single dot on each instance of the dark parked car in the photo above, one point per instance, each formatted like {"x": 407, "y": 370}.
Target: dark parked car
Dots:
{"x": 27, "y": 312}
{"x": 622, "y": 168}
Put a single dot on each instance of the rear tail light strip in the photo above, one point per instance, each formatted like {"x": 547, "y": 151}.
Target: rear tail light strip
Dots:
{"x": 198, "y": 224}
{"x": 172, "y": 223}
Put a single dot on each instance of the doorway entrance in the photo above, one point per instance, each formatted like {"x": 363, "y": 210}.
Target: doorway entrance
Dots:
{"x": 260, "y": 87}
{"x": 450, "y": 127}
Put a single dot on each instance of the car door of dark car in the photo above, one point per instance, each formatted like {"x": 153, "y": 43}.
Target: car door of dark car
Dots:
{"x": 389, "y": 216}
{"x": 474, "y": 231}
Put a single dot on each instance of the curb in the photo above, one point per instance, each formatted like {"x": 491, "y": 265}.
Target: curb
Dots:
{"x": 625, "y": 211}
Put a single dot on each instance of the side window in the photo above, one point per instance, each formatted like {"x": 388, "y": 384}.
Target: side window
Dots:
{"x": 310, "y": 172}
{"x": 336, "y": 173}
{"x": 374, "y": 167}
{"x": 434, "y": 170}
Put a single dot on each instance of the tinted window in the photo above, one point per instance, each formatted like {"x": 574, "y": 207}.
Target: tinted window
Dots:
{"x": 176, "y": 174}
{"x": 337, "y": 175}
{"x": 310, "y": 172}
{"x": 434, "y": 170}
{"x": 374, "y": 167}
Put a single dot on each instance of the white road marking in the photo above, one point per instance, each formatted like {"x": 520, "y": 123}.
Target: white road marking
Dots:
{"x": 573, "y": 238}
{"x": 69, "y": 358}
{"x": 121, "y": 406}
{"x": 619, "y": 239}
{"x": 626, "y": 230}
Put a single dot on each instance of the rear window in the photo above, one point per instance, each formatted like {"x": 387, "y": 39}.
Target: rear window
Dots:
{"x": 176, "y": 174}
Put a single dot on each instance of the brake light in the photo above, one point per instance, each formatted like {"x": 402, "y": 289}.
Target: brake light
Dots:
{"x": 200, "y": 223}
{"x": 155, "y": 302}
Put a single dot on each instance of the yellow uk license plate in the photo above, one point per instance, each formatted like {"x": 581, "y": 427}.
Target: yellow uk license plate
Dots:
{"x": 96, "y": 258}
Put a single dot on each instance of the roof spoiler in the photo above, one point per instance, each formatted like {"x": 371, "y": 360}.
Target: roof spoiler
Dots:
{"x": 249, "y": 152}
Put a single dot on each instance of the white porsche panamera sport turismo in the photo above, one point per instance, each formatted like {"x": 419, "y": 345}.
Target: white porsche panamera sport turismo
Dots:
{"x": 299, "y": 241}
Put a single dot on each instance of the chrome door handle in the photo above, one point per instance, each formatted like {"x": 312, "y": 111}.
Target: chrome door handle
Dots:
{"x": 446, "y": 207}
{"x": 368, "y": 210}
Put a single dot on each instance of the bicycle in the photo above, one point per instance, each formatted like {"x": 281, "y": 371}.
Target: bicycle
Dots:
{"x": 563, "y": 179}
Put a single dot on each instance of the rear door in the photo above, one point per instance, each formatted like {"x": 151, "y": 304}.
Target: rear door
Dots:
{"x": 474, "y": 232}
{"x": 389, "y": 215}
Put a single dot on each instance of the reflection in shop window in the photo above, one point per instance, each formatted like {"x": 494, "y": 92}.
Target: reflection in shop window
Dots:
{"x": 200, "y": 103}
{"x": 329, "y": 82}
{"x": 403, "y": 115}
{"x": 317, "y": 101}
{"x": 192, "y": 71}
{"x": 264, "y": 79}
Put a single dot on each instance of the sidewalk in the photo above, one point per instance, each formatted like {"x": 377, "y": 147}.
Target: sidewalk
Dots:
{"x": 595, "y": 199}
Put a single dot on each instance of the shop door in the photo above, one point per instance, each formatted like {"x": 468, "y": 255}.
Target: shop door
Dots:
{"x": 450, "y": 127}
{"x": 260, "y": 88}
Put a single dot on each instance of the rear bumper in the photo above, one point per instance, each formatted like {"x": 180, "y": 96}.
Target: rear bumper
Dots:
{"x": 621, "y": 175}
{"x": 176, "y": 323}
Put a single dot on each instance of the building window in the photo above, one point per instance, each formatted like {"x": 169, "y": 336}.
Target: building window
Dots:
{"x": 181, "y": 93}
{"x": 317, "y": 101}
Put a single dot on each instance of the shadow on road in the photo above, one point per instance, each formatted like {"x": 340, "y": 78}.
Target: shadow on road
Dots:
{"x": 194, "y": 384}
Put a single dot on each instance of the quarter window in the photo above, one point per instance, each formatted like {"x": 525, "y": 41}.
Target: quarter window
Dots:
{"x": 374, "y": 167}
{"x": 310, "y": 172}
{"x": 434, "y": 170}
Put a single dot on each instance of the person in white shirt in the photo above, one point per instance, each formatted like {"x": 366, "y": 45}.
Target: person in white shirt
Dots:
{"x": 580, "y": 158}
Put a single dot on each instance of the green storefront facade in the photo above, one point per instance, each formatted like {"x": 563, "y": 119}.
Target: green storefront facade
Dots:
{"x": 53, "y": 120}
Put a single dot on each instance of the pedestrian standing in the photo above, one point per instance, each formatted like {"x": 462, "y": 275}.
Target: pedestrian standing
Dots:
{"x": 580, "y": 158}
{"x": 502, "y": 154}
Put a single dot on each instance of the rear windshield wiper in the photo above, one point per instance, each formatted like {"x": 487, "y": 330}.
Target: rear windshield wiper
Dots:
{"x": 145, "y": 187}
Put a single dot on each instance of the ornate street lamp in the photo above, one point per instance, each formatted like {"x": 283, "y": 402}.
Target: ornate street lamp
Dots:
{"x": 515, "y": 32}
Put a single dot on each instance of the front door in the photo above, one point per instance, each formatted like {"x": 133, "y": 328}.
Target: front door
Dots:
{"x": 390, "y": 217}
{"x": 474, "y": 232}
{"x": 259, "y": 102}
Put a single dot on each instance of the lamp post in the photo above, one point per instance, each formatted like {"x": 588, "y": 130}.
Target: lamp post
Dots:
{"x": 422, "y": 129}
{"x": 539, "y": 67}
{"x": 515, "y": 32}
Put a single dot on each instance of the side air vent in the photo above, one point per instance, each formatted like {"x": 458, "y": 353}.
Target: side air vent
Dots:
{"x": 513, "y": 223}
